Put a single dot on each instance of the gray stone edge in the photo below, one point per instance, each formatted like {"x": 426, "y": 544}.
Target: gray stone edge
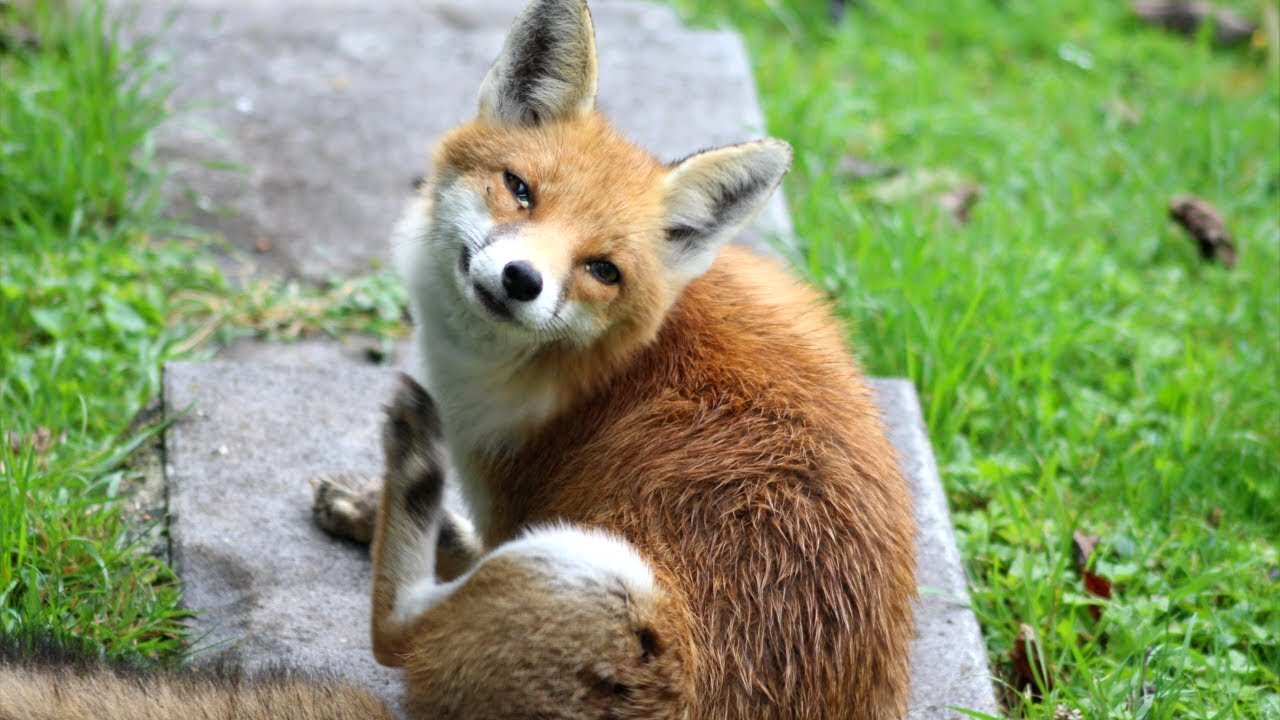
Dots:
{"x": 948, "y": 636}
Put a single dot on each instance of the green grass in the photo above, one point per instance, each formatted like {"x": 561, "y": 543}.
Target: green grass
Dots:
{"x": 1081, "y": 368}
{"x": 95, "y": 295}
{"x": 85, "y": 323}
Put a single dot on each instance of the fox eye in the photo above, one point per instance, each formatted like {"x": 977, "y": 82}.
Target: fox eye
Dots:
{"x": 519, "y": 190}
{"x": 604, "y": 271}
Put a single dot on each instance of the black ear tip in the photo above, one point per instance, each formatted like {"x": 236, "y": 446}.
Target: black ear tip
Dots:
{"x": 547, "y": 69}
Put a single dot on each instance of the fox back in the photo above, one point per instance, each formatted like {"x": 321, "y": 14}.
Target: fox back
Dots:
{"x": 599, "y": 359}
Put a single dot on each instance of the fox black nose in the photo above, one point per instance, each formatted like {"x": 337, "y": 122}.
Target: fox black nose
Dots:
{"x": 521, "y": 281}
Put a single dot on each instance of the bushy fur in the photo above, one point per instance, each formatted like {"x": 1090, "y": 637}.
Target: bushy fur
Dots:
{"x": 698, "y": 408}
{"x": 44, "y": 679}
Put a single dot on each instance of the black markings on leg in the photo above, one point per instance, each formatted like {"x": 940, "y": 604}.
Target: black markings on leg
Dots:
{"x": 410, "y": 439}
{"x": 422, "y": 497}
{"x": 412, "y": 427}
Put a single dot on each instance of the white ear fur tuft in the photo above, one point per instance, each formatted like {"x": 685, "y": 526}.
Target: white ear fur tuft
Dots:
{"x": 714, "y": 194}
{"x": 547, "y": 69}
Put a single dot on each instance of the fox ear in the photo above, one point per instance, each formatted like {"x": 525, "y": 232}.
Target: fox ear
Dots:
{"x": 714, "y": 194}
{"x": 547, "y": 70}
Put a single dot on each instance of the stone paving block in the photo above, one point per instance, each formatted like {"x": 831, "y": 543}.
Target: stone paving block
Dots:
{"x": 266, "y": 583}
{"x": 328, "y": 108}
{"x": 271, "y": 587}
{"x": 949, "y": 656}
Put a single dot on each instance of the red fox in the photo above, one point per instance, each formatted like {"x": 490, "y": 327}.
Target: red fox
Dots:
{"x": 683, "y": 504}
{"x": 689, "y": 504}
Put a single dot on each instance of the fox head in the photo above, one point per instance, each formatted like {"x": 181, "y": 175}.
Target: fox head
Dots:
{"x": 543, "y": 226}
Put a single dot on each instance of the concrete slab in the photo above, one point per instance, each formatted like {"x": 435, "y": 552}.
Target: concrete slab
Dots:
{"x": 327, "y": 107}
{"x": 949, "y": 656}
{"x": 269, "y": 586}
{"x": 267, "y": 583}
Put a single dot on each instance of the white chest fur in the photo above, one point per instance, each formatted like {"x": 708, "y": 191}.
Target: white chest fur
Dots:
{"x": 472, "y": 371}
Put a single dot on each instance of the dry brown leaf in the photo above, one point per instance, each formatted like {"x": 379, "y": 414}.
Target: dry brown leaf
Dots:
{"x": 959, "y": 201}
{"x": 1215, "y": 516}
{"x": 1028, "y": 670}
{"x": 1082, "y": 547}
{"x": 1097, "y": 585}
{"x": 1206, "y": 226}
{"x": 1181, "y": 16}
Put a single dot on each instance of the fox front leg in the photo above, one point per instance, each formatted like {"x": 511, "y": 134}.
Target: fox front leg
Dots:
{"x": 409, "y": 517}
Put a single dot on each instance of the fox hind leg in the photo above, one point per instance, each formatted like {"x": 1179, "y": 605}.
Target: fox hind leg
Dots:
{"x": 597, "y": 635}
{"x": 346, "y": 506}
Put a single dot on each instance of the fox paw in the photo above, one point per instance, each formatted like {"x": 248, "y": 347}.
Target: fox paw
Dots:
{"x": 412, "y": 443}
{"x": 346, "y": 506}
